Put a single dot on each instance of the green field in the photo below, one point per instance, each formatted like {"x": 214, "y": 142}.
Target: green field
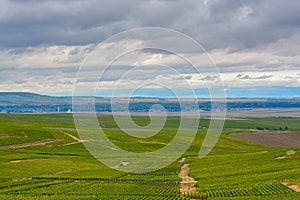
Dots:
{"x": 39, "y": 160}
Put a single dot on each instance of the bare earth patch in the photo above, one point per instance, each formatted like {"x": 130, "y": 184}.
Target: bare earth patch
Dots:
{"x": 280, "y": 157}
{"x": 291, "y": 152}
{"x": 293, "y": 185}
{"x": 15, "y": 161}
{"x": 188, "y": 183}
{"x": 288, "y": 153}
{"x": 280, "y": 139}
{"x": 26, "y": 160}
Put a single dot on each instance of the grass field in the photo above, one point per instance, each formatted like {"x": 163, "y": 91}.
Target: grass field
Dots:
{"x": 40, "y": 160}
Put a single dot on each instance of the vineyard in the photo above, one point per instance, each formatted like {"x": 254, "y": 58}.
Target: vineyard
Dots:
{"x": 64, "y": 169}
{"x": 257, "y": 190}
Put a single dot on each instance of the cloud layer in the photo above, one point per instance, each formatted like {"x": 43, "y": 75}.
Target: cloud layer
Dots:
{"x": 213, "y": 23}
{"x": 43, "y": 43}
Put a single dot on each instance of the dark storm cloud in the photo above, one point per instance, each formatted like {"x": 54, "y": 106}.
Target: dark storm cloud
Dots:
{"x": 215, "y": 24}
{"x": 209, "y": 78}
{"x": 239, "y": 75}
{"x": 34, "y": 22}
{"x": 14, "y": 74}
{"x": 188, "y": 77}
{"x": 156, "y": 51}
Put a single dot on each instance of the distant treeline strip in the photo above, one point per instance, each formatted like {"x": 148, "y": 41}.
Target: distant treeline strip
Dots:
{"x": 147, "y": 106}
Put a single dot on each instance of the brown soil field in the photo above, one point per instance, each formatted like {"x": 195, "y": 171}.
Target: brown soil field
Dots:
{"x": 280, "y": 139}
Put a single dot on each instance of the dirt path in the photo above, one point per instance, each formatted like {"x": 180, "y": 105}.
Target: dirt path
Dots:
{"x": 30, "y": 144}
{"x": 73, "y": 137}
{"x": 77, "y": 140}
{"x": 42, "y": 142}
{"x": 187, "y": 183}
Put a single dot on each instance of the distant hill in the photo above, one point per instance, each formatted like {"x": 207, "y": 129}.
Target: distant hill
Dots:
{"x": 19, "y": 98}
{"x": 24, "y": 102}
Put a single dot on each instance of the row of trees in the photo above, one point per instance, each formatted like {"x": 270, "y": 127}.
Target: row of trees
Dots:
{"x": 273, "y": 129}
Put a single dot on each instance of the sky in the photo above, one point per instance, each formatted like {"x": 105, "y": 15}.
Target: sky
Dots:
{"x": 254, "y": 44}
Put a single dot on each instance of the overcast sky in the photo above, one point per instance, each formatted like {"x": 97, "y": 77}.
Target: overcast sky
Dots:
{"x": 255, "y": 44}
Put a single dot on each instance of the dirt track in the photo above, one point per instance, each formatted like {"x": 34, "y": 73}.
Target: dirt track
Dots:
{"x": 30, "y": 144}
{"x": 280, "y": 139}
{"x": 188, "y": 183}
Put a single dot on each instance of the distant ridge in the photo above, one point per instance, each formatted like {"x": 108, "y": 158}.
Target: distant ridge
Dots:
{"x": 26, "y": 102}
{"x": 17, "y": 98}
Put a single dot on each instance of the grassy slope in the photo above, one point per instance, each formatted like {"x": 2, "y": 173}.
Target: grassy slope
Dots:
{"x": 232, "y": 164}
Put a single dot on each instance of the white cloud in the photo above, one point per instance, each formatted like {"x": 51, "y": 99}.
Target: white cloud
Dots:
{"x": 53, "y": 68}
{"x": 43, "y": 43}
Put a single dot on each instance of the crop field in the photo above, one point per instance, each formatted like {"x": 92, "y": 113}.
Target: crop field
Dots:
{"x": 42, "y": 157}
